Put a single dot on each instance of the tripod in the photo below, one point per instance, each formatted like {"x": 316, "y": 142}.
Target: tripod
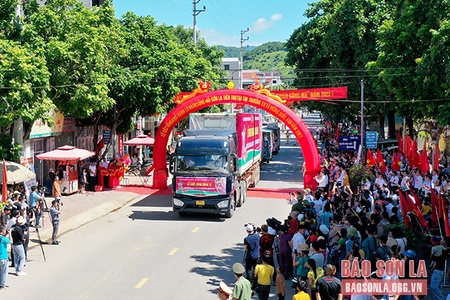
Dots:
{"x": 43, "y": 207}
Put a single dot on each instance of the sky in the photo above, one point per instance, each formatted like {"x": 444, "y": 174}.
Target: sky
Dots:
{"x": 223, "y": 20}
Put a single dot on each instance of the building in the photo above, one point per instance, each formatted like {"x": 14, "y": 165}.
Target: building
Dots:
{"x": 268, "y": 79}
{"x": 233, "y": 67}
{"x": 245, "y": 78}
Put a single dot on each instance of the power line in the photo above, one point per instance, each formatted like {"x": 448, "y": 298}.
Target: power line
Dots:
{"x": 226, "y": 19}
{"x": 225, "y": 9}
{"x": 220, "y": 24}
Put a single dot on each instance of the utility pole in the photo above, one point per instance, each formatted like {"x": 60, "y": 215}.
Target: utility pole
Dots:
{"x": 241, "y": 50}
{"x": 195, "y": 13}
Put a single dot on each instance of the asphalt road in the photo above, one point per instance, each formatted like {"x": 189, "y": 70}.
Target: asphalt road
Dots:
{"x": 143, "y": 251}
{"x": 146, "y": 251}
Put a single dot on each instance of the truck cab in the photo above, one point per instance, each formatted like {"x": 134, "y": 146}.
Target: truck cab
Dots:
{"x": 204, "y": 172}
{"x": 269, "y": 142}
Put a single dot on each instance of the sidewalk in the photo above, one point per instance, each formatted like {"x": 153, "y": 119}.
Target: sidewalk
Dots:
{"x": 79, "y": 209}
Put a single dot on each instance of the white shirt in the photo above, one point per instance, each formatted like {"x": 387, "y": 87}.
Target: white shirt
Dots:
{"x": 11, "y": 223}
{"x": 322, "y": 181}
{"x": 318, "y": 205}
{"x": 297, "y": 240}
{"x": 389, "y": 207}
{"x": 418, "y": 180}
{"x": 394, "y": 180}
{"x": 379, "y": 181}
{"x": 92, "y": 170}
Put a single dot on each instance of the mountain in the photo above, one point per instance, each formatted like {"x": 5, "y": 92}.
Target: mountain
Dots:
{"x": 266, "y": 57}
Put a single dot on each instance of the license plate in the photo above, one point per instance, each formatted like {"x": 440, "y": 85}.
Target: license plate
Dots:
{"x": 200, "y": 202}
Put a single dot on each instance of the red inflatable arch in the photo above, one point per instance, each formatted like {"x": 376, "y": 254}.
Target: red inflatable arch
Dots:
{"x": 277, "y": 109}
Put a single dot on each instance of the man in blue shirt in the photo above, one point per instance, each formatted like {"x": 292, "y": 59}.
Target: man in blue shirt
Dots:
{"x": 4, "y": 242}
{"x": 54, "y": 213}
{"x": 251, "y": 246}
{"x": 35, "y": 199}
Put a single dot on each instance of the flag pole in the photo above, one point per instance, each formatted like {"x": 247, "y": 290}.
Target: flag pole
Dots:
{"x": 439, "y": 222}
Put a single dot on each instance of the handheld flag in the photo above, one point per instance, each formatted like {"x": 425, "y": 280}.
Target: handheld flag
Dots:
{"x": 370, "y": 161}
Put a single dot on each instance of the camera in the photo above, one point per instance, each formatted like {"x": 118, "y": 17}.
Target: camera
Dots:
{"x": 338, "y": 183}
{"x": 42, "y": 189}
{"x": 255, "y": 229}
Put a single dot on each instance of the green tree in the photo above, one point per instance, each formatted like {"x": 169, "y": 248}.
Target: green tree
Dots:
{"x": 414, "y": 66}
{"x": 333, "y": 48}
{"x": 82, "y": 47}
{"x": 158, "y": 63}
{"x": 24, "y": 82}
{"x": 79, "y": 45}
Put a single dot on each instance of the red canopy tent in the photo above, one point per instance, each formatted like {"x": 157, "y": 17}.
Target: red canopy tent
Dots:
{"x": 66, "y": 153}
{"x": 140, "y": 140}
{"x": 68, "y": 156}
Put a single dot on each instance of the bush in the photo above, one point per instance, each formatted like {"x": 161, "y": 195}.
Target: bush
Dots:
{"x": 416, "y": 240}
{"x": 358, "y": 174}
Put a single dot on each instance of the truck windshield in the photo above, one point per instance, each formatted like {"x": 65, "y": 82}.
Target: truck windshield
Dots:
{"x": 201, "y": 162}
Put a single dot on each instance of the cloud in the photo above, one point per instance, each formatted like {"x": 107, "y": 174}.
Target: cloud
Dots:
{"x": 214, "y": 37}
{"x": 262, "y": 24}
{"x": 276, "y": 17}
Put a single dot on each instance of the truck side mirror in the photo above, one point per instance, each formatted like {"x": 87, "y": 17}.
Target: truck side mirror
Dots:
{"x": 172, "y": 165}
{"x": 234, "y": 162}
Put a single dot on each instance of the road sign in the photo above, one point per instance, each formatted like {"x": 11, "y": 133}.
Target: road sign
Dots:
{"x": 349, "y": 142}
{"x": 106, "y": 136}
{"x": 371, "y": 139}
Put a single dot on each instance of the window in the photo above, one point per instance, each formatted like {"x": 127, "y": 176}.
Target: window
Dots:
{"x": 226, "y": 67}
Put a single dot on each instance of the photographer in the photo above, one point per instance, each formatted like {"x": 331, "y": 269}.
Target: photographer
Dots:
{"x": 5, "y": 240}
{"x": 55, "y": 212}
{"x": 35, "y": 200}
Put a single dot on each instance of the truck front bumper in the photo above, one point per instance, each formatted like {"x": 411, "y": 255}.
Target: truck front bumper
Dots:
{"x": 207, "y": 206}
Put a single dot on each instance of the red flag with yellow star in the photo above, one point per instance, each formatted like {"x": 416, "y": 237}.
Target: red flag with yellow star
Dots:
{"x": 380, "y": 162}
{"x": 400, "y": 143}
{"x": 396, "y": 162}
{"x": 370, "y": 161}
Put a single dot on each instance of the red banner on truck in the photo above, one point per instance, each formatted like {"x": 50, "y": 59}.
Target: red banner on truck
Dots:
{"x": 201, "y": 186}
{"x": 248, "y": 129}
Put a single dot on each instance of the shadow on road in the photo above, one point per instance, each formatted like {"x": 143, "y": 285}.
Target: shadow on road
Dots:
{"x": 172, "y": 216}
{"x": 286, "y": 166}
{"x": 219, "y": 266}
{"x": 155, "y": 200}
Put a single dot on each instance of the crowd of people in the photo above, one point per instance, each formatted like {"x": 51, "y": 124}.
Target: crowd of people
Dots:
{"x": 17, "y": 216}
{"x": 346, "y": 220}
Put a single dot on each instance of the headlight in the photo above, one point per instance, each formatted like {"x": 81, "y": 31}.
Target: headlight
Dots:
{"x": 177, "y": 202}
{"x": 223, "y": 204}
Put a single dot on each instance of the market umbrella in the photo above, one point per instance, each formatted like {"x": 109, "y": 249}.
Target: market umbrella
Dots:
{"x": 140, "y": 140}
{"x": 15, "y": 173}
{"x": 67, "y": 153}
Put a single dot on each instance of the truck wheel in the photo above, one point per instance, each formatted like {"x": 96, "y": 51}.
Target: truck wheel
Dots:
{"x": 238, "y": 196}
{"x": 258, "y": 175}
{"x": 230, "y": 213}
